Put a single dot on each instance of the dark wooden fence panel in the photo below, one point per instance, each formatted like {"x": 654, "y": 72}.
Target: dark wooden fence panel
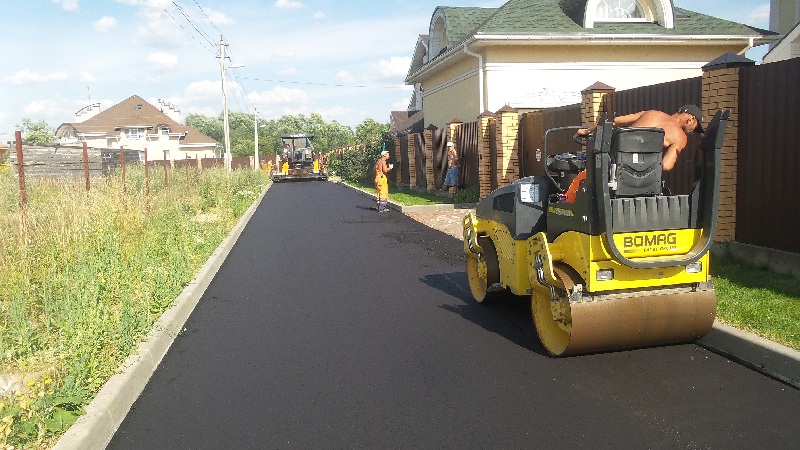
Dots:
{"x": 768, "y": 161}
{"x": 419, "y": 158}
{"x": 493, "y": 179}
{"x": 531, "y": 136}
{"x": 667, "y": 97}
{"x": 439, "y": 146}
{"x": 405, "y": 177}
{"x": 466, "y": 140}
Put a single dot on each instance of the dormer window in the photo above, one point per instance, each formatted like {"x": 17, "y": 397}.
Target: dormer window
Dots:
{"x": 135, "y": 133}
{"x": 654, "y": 11}
{"x": 165, "y": 131}
{"x": 619, "y": 10}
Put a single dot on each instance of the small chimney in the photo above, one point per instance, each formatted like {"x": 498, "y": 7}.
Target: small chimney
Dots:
{"x": 170, "y": 110}
{"x": 87, "y": 112}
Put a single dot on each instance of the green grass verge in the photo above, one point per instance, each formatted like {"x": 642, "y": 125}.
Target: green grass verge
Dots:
{"x": 757, "y": 299}
{"x": 412, "y": 197}
{"x": 84, "y": 276}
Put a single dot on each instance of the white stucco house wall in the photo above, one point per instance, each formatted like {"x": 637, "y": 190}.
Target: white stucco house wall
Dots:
{"x": 784, "y": 19}
{"x": 138, "y": 125}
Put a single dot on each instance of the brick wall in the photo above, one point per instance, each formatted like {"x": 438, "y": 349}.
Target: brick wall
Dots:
{"x": 507, "y": 146}
{"x": 721, "y": 91}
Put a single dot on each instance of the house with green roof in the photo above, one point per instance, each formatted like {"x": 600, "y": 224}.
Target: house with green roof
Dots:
{"x": 534, "y": 54}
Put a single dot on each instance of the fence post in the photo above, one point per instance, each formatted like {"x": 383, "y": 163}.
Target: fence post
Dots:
{"x": 486, "y": 121}
{"x": 122, "y": 164}
{"x": 86, "y": 164}
{"x": 721, "y": 79}
{"x": 398, "y": 160}
{"x": 146, "y": 180}
{"x": 429, "y": 173}
{"x": 412, "y": 159}
{"x": 595, "y": 100}
{"x": 23, "y": 193}
{"x": 507, "y": 146}
{"x": 452, "y": 134}
{"x": 166, "y": 178}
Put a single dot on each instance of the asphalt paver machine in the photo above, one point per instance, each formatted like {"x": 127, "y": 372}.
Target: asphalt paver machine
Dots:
{"x": 299, "y": 160}
{"x": 623, "y": 264}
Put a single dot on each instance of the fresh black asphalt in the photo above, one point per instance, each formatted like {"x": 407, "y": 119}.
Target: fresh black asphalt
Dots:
{"x": 331, "y": 325}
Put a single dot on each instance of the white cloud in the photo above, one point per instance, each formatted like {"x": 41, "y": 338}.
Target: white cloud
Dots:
{"x": 105, "y": 23}
{"x": 43, "y": 108}
{"x": 279, "y": 96}
{"x": 161, "y": 61}
{"x": 86, "y": 77}
{"x": 159, "y": 30}
{"x": 319, "y": 15}
{"x": 67, "y": 5}
{"x": 203, "y": 90}
{"x": 218, "y": 18}
{"x": 337, "y": 113}
{"x": 288, "y": 71}
{"x": 759, "y": 17}
{"x": 24, "y": 77}
{"x": 395, "y": 67}
{"x": 344, "y": 76}
{"x": 289, "y": 4}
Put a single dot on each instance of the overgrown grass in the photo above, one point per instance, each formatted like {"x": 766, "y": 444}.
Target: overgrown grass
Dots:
{"x": 757, "y": 300}
{"x": 84, "y": 276}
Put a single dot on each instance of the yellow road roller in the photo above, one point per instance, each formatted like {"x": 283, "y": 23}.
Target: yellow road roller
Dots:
{"x": 621, "y": 263}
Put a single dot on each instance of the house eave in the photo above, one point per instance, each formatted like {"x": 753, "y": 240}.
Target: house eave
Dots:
{"x": 484, "y": 40}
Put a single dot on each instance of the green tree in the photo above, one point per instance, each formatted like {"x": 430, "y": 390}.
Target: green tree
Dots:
{"x": 36, "y": 133}
{"x": 210, "y": 126}
{"x": 371, "y": 132}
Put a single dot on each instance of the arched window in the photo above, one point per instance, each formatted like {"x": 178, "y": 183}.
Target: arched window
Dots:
{"x": 437, "y": 40}
{"x": 616, "y": 10}
{"x": 657, "y": 11}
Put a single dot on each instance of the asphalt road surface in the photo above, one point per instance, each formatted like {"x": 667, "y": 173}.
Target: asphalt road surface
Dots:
{"x": 331, "y": 325}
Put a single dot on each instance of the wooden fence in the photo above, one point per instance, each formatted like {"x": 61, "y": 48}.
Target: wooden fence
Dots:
{"x": 769, "y": 156}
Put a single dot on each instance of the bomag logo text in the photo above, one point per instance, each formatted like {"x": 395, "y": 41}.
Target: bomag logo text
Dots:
{"x": 651, "y": 240}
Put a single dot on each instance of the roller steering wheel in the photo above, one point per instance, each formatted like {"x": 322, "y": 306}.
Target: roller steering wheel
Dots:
{"x": 582, "y": 140}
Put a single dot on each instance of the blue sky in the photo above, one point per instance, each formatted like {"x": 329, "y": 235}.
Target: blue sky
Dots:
{"x": 345, "y": 59}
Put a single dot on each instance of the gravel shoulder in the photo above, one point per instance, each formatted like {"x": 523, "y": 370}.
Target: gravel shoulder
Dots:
{"x": 447, "y": 221}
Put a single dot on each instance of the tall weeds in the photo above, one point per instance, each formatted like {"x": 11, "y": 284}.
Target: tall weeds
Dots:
{"x": 83, "y": 277}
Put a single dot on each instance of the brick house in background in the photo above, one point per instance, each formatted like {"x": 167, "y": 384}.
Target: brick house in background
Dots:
{"x": 535, "y": 54}
{"x": 137, "y": 125}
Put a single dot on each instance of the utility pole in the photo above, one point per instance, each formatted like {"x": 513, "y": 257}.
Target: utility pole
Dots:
{"x": 225, "y": 126}
{"x": 255, "y": 128}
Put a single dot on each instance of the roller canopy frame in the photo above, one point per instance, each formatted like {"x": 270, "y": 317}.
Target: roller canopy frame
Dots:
{"x": 709, "y": 191}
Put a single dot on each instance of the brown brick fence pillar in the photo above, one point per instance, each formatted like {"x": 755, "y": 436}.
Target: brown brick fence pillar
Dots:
{"x": 429, "y": 179}
{"x": 486, "y": 122}
{"x": 507, "y": 146}
{"x": 412, "y": 159}
{"x": 721, "y": 91}
{"x": 595, "y": 100}
{"x": 398, "y": 161}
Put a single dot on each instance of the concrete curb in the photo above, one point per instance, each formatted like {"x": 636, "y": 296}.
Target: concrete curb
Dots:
{"x": 413, "y": 208}
{"x": 106, "y": 412}
{"x": 765, "y": 356}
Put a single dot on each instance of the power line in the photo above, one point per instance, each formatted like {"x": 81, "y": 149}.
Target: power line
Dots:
{"x": 325, "y": 84}
{"x": 191, "y": 22}
{"x": 211, "y": 49}
{"x": 208, "y": 18}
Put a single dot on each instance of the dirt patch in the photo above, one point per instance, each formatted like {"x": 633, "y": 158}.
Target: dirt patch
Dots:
{"x": 448, "y": 221}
